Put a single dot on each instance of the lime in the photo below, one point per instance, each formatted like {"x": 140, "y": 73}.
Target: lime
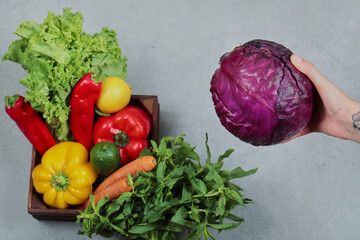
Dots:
{"x": 105, "y": 158}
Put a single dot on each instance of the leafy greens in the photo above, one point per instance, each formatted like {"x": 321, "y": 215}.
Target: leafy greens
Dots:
{"x": 180, "y": 194}
{"x": 57, "y": 54}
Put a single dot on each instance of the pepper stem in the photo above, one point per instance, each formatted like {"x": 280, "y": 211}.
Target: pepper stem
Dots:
{"x": 99, "y": 112}
{"x": 121, "y": 139}
{"x": 60, "y": 181}
{"x": 10, "y": 101}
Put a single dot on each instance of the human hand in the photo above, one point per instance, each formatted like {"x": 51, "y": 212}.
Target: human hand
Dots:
{"x": 335, "y": 113}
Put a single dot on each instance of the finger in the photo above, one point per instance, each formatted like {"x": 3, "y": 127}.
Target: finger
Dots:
{"x": 303, "y": 132}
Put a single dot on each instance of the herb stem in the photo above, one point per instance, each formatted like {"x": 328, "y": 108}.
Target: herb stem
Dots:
{"x": 198, "y": 172}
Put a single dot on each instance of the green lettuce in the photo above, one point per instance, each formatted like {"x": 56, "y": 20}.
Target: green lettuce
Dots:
{"x": 56, "y": 55}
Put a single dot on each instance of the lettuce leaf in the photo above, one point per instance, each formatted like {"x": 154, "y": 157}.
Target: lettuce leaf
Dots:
{"x": 57, "y": 54}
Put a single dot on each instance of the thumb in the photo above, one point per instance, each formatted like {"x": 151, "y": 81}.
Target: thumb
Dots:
{"x": 323, "y": 85}
{"x": 320, "y": 81}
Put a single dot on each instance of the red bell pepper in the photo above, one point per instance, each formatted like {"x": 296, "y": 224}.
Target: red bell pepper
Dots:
{"x": 128, "y": 129}
{"x": 29, "y": 122}
{"x": 81, "y": 116}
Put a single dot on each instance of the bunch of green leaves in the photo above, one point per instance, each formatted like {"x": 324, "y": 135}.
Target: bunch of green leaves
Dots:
{"x": 57, "y": 54}
{"x": 180, "y": 195}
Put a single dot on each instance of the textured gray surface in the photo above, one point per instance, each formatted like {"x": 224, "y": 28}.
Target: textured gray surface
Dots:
{"x": 305, "y": 189}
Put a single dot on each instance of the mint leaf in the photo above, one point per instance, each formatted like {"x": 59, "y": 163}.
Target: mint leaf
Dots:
{"x": 140, "y": 229}
{"x": 227, "y": 153}
{"x": 198, "y": 185}
{"x": 239, "y": 173}
{"x": 195, "y": 213}
{"x": 185, "y": 193}
{"x": 213, "y": 175}
{"x": 224, "y": 226}
{"x": 160, "y": 171}
{"x": 208, "y": 159}
{"x": 237, "y": 197}
{"x": 188, "y": 153}
{"x": 220, "y": 210}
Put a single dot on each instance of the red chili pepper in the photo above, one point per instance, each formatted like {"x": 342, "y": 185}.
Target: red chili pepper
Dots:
{"x": 81, "y": 116}
{"x": 128, "y": 129}
{"x": 29, "y": 122}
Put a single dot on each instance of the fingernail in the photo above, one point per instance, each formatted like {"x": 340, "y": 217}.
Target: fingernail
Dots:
{"x": 296, "y": 58}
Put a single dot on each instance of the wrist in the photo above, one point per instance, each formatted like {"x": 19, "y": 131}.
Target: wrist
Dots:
{"x": 352, "y": 122}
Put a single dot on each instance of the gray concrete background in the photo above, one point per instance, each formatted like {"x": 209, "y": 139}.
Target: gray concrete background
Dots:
{"x": 304, "y": 189}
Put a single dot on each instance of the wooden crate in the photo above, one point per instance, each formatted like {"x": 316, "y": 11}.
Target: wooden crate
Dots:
{"x": 36, "y": 206}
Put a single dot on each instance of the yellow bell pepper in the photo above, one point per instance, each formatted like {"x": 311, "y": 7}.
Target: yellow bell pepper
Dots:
{"x": 64, "y": 176}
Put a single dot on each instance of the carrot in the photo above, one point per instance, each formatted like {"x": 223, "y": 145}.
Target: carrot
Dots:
{"x": 113, "y": 191}
{"x": 142, "y": 164}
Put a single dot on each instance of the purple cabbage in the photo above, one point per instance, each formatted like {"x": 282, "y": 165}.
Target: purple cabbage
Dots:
{"x": 259, "y": 96}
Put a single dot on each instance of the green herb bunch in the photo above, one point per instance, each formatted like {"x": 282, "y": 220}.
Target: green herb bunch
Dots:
{"x": 181, "y": 194}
